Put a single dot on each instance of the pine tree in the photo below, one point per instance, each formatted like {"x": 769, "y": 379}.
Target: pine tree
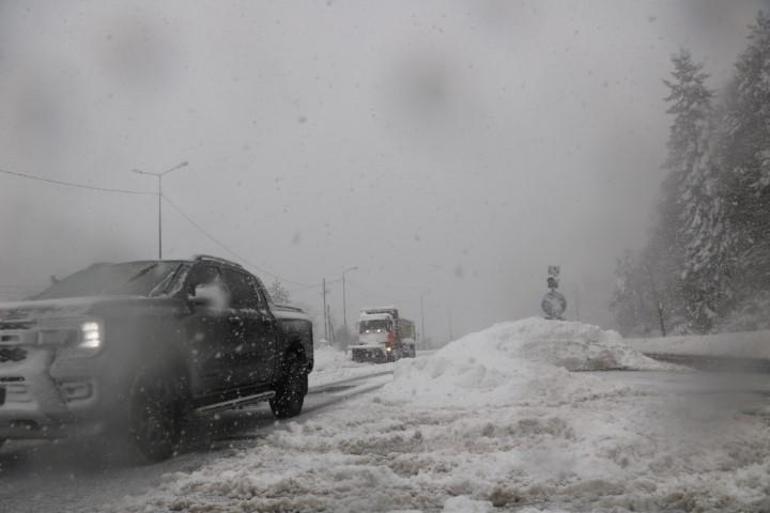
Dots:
{"x": 746, "y": 157}
{"x": 686, "y": 207}
{"x": 696, "y": 219}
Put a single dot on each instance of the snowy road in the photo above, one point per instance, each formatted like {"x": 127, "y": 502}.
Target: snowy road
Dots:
{"x": 74, "y": 476}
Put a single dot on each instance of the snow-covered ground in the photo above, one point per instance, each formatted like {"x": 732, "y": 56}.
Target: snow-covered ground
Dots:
{"x": 333, "y": 365}
{"x": 745, "y": 344}
{"x": 500, "y": 420}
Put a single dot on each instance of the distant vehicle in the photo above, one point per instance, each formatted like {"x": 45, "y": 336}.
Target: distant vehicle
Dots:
{"x": 142, "y": 348}
{"x": 383, "y": 336}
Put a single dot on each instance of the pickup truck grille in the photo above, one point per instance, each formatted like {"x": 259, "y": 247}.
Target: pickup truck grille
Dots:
{"x": 15, "y": 325}
{"x": 12, "y": 354}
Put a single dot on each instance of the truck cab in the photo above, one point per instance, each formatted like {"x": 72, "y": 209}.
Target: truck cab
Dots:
{"x": 144, "y": 347}
{"x": 383, "y": 336}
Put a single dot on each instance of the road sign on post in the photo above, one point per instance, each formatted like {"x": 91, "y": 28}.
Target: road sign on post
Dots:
{"x": 554, "y": 304}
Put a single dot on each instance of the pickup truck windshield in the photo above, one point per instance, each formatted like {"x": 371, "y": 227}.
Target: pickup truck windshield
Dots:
{"x": 132, "y": 278}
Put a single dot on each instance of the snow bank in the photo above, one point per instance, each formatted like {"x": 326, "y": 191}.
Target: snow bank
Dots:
{"x": 749, "y": 344}
{"x": 528, "y": 361}
{"x": 331, "y": 364}
{"x": 328, "y": 358}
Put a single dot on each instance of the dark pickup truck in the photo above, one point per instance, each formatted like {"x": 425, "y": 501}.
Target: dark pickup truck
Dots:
{"x": 144, "y": 348}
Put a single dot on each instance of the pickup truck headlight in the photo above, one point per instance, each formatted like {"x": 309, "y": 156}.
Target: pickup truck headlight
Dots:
{"x": 90, "y": 335}
{"x": 83, "y": 340}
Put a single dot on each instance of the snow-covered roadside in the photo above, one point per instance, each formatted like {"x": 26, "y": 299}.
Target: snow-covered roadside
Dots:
{"x": 496, "y": 422}
{"x": 333, "y": 365}
{"x": 748, "y": 344}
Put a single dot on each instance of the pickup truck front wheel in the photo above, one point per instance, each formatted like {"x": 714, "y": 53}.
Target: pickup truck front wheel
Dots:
{"x": 290, "y": 391}
{"x": 157, "y": 413}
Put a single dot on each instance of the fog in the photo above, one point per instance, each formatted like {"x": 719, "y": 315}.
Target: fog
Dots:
{"x": 450, "y": 150}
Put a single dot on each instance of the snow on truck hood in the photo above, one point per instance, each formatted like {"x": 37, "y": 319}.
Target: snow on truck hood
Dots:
{"x": 529, "y": 361}
{"x": 56, "y": 308}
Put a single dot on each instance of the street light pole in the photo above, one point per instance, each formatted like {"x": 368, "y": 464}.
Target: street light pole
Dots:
{"x": 160, "y": 176}
{"x": 344, "y": 300}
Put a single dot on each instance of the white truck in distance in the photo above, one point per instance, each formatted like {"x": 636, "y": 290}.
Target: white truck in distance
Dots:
{"x": 383, "y": 336}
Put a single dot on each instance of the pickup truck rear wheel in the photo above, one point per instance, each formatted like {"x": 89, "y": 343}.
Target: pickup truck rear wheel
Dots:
{"x": 290, "y": 391}
{"x": 157, "y": 412}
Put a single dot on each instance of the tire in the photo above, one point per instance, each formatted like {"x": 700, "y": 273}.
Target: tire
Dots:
{"x": 290, "y": 391}
{"x": 158, "y": 410}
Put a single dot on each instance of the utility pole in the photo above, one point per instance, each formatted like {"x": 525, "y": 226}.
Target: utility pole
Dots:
{"x": 326, "y": 317}
{"x": 422, "y": 318}
{"x": 344, "y": 302}
{"x": 332, "y": 337}
{"x": 160, "y": 176}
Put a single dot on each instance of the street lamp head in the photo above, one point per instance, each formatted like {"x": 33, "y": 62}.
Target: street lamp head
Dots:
{"x": 178, "y": 166}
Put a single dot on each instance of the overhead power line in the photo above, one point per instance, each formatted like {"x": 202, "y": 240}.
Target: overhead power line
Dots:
{"x": 73, "y": 184}
{"x": 190, "y": 220}
{"x": 227, "y": 248}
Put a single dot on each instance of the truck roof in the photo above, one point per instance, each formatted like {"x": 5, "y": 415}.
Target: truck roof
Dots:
{"x": 378, "y": 308}
{"x": 375, "y": 317}
{"x": 390, "y": 310}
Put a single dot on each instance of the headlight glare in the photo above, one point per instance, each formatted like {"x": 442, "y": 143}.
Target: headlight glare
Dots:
{"x": 90, "y": 335}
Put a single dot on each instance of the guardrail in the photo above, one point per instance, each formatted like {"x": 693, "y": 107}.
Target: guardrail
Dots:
{"x": 747, "y": 351}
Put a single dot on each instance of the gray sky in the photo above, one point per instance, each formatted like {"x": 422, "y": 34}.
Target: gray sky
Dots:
{"x": 448, "y": 148}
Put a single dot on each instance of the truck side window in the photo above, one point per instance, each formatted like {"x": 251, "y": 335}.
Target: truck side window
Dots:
{"x": 243, "y": 294}
{"x": 206, "y": 281}
{"x": 201, "y": 275}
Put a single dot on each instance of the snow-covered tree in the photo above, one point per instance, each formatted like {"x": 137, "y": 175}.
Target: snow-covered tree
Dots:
{"x": 710, "y": 249}
{"x": 746, "y": 158}
{"x": 278, "y": 293}
{"x": 692, "y": 221}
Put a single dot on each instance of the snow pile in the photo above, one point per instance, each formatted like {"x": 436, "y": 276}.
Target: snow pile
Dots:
{"x": 331, "y": 364}
{"x": 327, "y": 358}
{"x": 527, "y": 361}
